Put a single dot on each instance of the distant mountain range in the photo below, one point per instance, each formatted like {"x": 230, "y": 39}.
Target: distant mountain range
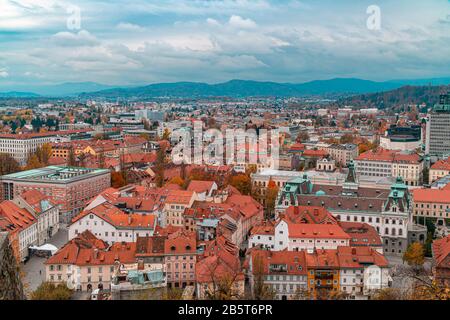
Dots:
{"x": 17, "y": 94}
{"x": 241, "y": 88}
{"x": 403, "y": 96}
{"x": 69, "y": 89}
{"x": 338, "y": 87}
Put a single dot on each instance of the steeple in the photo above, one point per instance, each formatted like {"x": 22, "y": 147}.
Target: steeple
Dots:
{"x": 351, "y": 181}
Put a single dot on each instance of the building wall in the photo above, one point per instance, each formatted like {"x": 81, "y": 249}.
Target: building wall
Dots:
{"x": 436, "y": 174}
{"x": 27, "y": 237}
{"x": 20, "y": 149}
{"x": 105, "y": 231}
{"x": 180, "y": 269}
{"x": 431, "y": 209}
{"x": 71, "y": 196}
{"x": 438, "y": 134}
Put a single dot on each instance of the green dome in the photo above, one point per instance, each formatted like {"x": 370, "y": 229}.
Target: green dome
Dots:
{"x": 321, "y": 193}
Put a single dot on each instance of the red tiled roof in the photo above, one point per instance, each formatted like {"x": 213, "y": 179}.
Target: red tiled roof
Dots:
{"x": 294, "y": 261}
{"x": 179, "y": 196}
{"x": 118, "y": 218}
{"x": 305, "y": 230}
{"x": 200, "y": 186}
{"x": 34, "y": 198}
{"x": 21, "y": 218}
{"x": 181, "y": 243}
{"x": 314, "y": 153}
{"x": 441, "y": 250}
{"x": 87, "y": 250}
{"x": 381, "y": 154}
{"x": 442, "y": 165}
{"x": 361, "y": 234}
{"x": 309, "y": 214}
{"x": 431, "y": 195}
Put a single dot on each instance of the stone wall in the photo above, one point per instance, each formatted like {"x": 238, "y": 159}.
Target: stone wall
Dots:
{"x": 11, "y": 287}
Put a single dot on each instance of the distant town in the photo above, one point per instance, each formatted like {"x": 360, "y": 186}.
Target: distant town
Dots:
{"x": 147, "y": 200}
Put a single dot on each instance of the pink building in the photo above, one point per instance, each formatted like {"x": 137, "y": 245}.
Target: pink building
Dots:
{"x": 180, "y": 251}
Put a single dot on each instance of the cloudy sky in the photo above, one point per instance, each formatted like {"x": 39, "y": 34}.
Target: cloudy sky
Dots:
{"x": 148, "y": 41}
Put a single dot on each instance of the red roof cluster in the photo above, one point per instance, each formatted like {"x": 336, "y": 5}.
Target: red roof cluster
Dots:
{"x": 442, "y": 165}
{"x": 381, "y": 154}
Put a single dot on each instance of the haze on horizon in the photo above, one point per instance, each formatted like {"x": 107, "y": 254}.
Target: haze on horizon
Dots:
{"x": 149, "y": 41}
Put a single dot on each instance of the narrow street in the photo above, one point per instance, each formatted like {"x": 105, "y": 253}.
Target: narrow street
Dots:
{"x": 34, "y": 269}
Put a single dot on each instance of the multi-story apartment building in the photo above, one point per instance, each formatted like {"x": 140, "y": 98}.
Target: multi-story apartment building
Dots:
{"x": 44, "y": 210}
{"x": 285, "y": 235}
{"x": 283, "y": 272}
{"x": 438, "y": 128}
{"x": 386, "y": 163}
{"x": 175, "y": 204}
{"x": 86, "y": 263}
{"x": 19, "y": 146}
{"x": 439, "y": 169}
{"x": 343, "y": 153}
{"x": 24, "y": 226}
{"x": 69, "y": 187}
{"x": 431, "y": 203}
{"x": 350, "y": 272}
{"x": 111, "y": 224}
{"x": 180, "y": 256}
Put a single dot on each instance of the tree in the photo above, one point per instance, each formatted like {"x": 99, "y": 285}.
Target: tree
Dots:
{"x": 117, "y": 179}
{"x": 44, "y": 153}
{"x": 346, "y": 138}
{"x": 172, "y": 294}
{"x": 50, "y": 291}
{"x": 33, "y": 162}
{"x": 415, "y": 255}
{"x": 388, "y": 294}
{"x": 177, "y": 180}
{"x": 159, "y": 166}
{"x": 271, "y": 196}
{"x": 101, "y": 160}
{"x": 242, "y": 182}
{"x": 261, "y": 291}
{"x": 145, "y": 136}
{"x": 71, "y": 160}
{"x": 8, "y": 164}
{"x": 303, "y": 136}
{"x": 166, "y": 134}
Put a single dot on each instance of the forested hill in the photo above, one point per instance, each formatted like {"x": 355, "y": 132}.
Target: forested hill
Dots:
{"x": 403, "y": 96}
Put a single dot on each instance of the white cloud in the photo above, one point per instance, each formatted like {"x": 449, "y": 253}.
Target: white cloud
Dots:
{"x": 125, "y": 26}
{"x": 213, "y": 22}
{"x": 3, "y": 73}
{"x": 239, "y": 22}
{"x": 70, "y": 39}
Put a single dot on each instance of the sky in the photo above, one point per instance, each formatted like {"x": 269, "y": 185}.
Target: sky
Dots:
{"x": 118, "y": 42}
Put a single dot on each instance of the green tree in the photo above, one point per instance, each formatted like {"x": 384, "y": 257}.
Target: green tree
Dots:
{"x": 415, "y": 255}
{"x": 8, "y": 164}
{"x": 51, "y": 291}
